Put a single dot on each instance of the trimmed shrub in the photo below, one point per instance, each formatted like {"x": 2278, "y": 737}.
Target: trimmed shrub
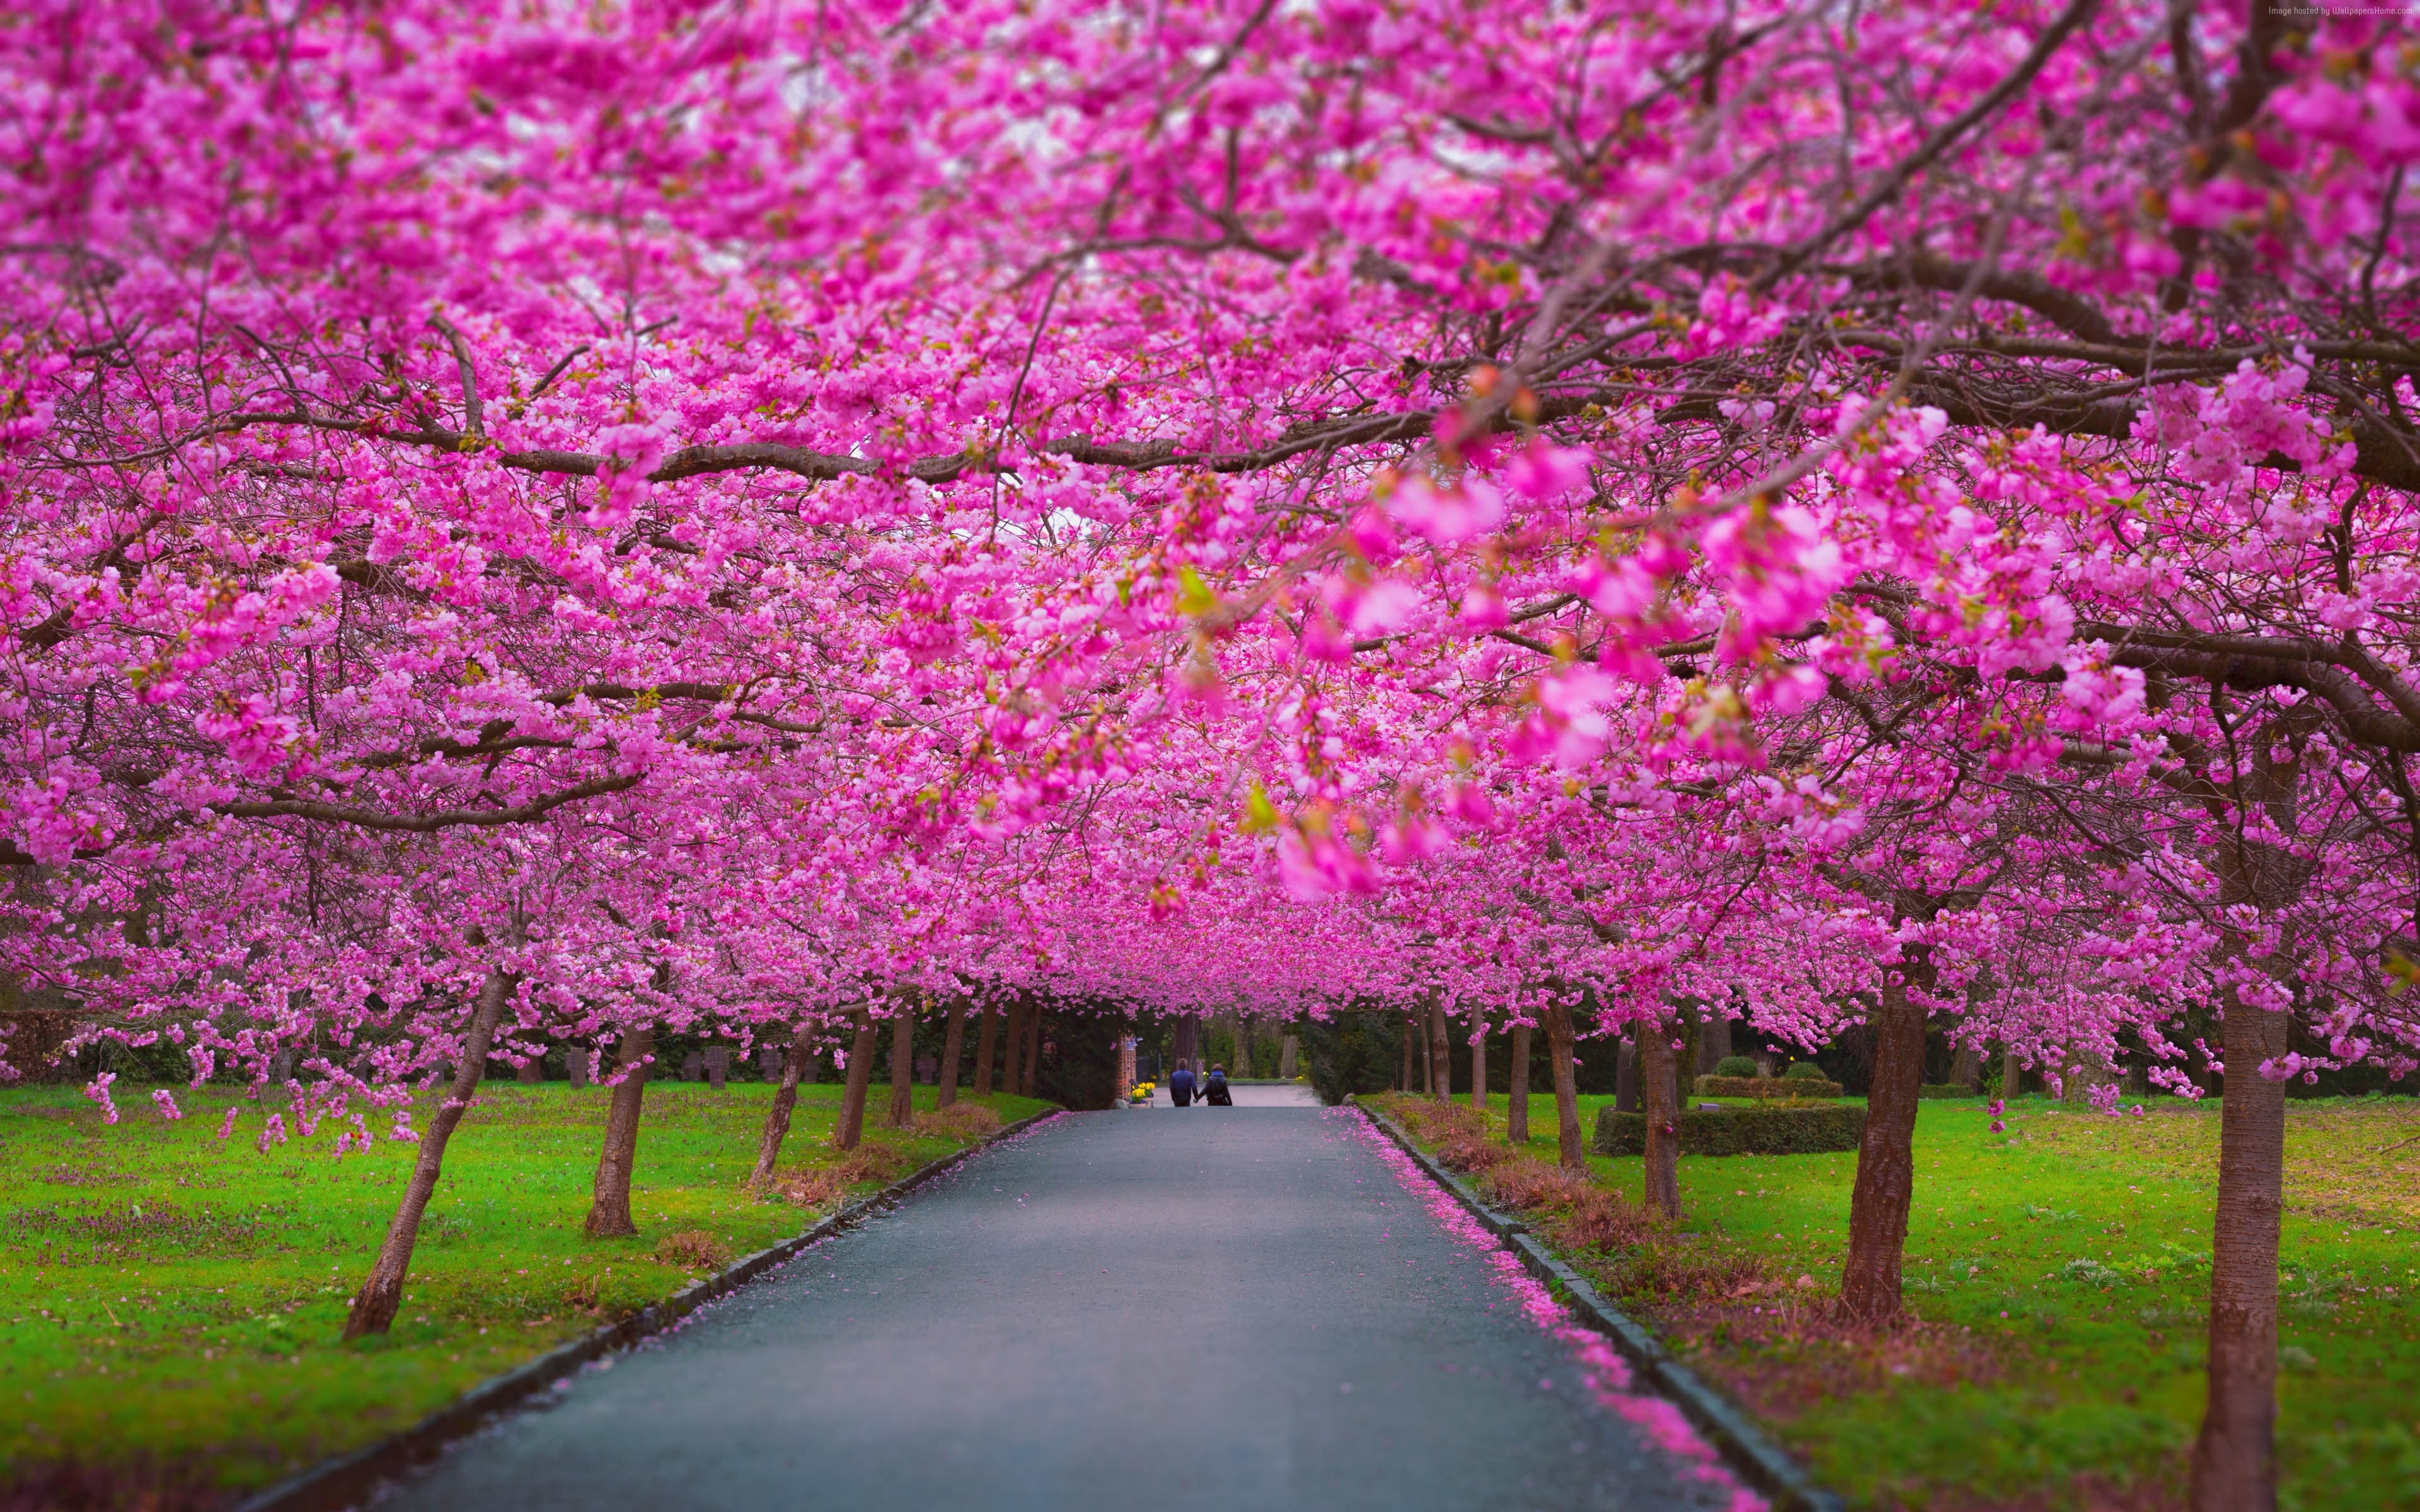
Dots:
{"x": 1079, "y": 1060}
{"x": 1783, "y": 1130}
{"x": 1806, "y": 1070}
{"x": 1942, "y": 1089}
{"x": 1783, "y": 1089}
{"x": 1735, "y": 1066}
{"x": 1352, "y": 1054}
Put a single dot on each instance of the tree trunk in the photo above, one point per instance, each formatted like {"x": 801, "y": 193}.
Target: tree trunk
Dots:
{"x": 2234, "y": 1459}
{"x": 1568, "y": 1149}
{"x": 1440, "y": 1054}
{"x": 1411, "y": 1076}
{"x": 2234, "y": 1469}
{"x": 1714, "y": 1041}
{"x": 609, "y": 1205}
{"x": 1012, "y": 1080}
{"x": 1966, "y": 1068}
{"x": 1187, "y": 1043}
{"x": 903, "y": 1067}
{"x": 850, "y": 1130}
{"x": 954, "y": 1049}
{"x": 1516, "y": 1109}
{"x": 785, "y": 1101}
{"x": 1032, "y": 1086}
{"x": 1289, "y": 1058}
{"x": 381, "y": 1294}
{"x": 1479, "y": 1068}
{"x": 1659, "y": 1091}
{"x": 1243, "y": 1066}
{"x": 1625, "y": 1072}
{"x": 986, "y": 1039}
{"x": 1685, "y": 1064}
{"x": 2085, "y": 1071}
{"x": 1885, "y": 1187}
{"x": 2012, "y": 1072}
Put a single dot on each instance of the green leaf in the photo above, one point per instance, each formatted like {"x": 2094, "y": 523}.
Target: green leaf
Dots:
{"x": 1193, "y": 596}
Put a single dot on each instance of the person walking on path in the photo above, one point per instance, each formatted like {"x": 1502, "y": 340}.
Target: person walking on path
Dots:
{"x": 1180, "y": 1085}
{"x": 1214, "y": 1092}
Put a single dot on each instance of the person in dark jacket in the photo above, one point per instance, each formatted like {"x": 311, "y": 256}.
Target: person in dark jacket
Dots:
{"x": 1215, "y": 1091}
{"x": 1180, "y": 1085}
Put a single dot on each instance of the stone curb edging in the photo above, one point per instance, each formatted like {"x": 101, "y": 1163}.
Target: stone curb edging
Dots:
{"x": 1765, "y": 1463}
{"x": 349, "y": 1480}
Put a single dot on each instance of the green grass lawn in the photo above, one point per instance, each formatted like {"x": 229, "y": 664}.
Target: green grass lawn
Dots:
{"x": 2058, "y": 1272}
{"x": 170, "y": 1305}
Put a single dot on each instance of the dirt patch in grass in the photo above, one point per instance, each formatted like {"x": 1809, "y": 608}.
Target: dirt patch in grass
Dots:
{"x": 960, "y": 1121}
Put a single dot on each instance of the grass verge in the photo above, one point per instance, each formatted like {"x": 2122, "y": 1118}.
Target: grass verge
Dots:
{"x": 2057, "y": 1284}
{"x": 170, "y": 1303}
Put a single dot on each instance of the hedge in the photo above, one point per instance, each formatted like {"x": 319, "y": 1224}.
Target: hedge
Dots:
{"x": 1774, "y": 1131}
{"x": 1945, "y": 1089}
{"x": 1790, "y": 1087}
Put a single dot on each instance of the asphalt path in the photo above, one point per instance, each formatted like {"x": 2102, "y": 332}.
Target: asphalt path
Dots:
{"x": 1235, "y": 1309}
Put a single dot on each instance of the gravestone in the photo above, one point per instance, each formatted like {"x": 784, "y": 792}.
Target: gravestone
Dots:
{"x": 530, "y": 1071}
{"x": 928, "y": 1069}
{"x": 694, "y": 1066}
{"x": 718, "y": 1065}
{"x": 575, "y": 1065}
{"x": 769, "y": 1062}
{"x": 281, "y": 1066}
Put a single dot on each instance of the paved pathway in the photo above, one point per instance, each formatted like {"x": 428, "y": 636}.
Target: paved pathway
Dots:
{"x": 1235, "y": 1309}
{"x": 1254, "y": 1095}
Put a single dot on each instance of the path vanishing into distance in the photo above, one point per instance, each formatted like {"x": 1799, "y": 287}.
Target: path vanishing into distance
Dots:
{"x": 1237, "y": 1309}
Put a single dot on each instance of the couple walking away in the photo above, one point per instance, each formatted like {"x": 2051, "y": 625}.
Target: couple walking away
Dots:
{"x": 1214, "y": 1087}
